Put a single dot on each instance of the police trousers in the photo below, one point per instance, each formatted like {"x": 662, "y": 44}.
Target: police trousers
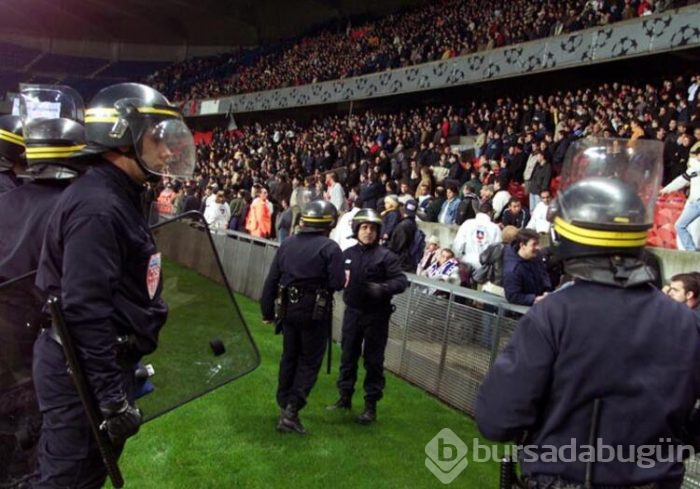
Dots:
{"x": 364, "y": 333}
{"x": 302, "y": 355}
{"x": 68, "y": 454}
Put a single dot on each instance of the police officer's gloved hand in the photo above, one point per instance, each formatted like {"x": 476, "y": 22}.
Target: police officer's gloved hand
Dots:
{"x": 376, "y": 290}
{"x": 122, "y": 420}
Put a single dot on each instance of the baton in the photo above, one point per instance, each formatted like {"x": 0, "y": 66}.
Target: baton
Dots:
{"x": 95, "y": 418}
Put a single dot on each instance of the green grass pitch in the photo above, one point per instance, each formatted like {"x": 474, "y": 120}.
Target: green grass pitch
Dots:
{"x": 227, "y": 439}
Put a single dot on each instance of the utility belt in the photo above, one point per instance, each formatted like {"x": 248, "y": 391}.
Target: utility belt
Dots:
{"x": 292, "y": 295}
{"x": 555, "y": 482}
{"x": 127, "y": 354}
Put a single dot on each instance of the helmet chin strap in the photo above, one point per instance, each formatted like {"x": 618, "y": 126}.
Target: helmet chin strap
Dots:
{"x": 148, "y": 175}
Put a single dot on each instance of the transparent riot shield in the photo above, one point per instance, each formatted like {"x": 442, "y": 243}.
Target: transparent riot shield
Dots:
{"x": 205, "y": 342}
{"x": 20, "y": 420}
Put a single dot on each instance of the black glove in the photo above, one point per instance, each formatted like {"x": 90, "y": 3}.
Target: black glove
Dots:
{"x": 122, "y": 420}
{"x": 377, "y": 291}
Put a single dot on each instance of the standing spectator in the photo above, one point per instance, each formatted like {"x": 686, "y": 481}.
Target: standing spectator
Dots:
{"x": 390, "y": 217}
{"x": 474, "y": 236}
{"x": 469, "y": 206}
{"x": 501, "y": 198}
{"x": 540, "y": 180}
{"x": 692, "y": 206}
{"x": 259, "y": 222}
{"x": 401, "y": 241}
{"x": 283, "y": 223}
{"x": 337, "y": 194}
{"x": 218, "y": 214}
{"x": 448, "y": 212}
{"x": 525, "y": 277}
{"x": 539, "y": 221}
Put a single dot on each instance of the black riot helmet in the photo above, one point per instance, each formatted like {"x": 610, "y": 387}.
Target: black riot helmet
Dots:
{"x": 135, "y": 116}
{"x": 11, "y": 142}
{"x": 318, "y": 215}
{"x": 605, "y": 205}
{"x": 54, "y": 135}
{"x": 365, "y": 216}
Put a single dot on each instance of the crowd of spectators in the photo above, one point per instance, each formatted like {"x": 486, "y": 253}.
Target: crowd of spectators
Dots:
{"x": 433, "y": 31}
{"x": 261, "y": 174}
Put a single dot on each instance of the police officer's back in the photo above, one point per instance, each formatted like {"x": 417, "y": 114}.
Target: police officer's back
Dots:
{"x": 608, "y": 361}
{"x": 11, "y": 151}
{"x": 306, "y": 270}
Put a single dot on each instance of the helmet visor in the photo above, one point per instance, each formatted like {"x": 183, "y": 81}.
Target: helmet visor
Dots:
{"x": 41, "y": 102}
{"x": 634, "y": 165}
{"x": 167, "y": 148}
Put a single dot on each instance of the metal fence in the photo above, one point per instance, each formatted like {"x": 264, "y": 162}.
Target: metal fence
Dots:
{"x": 442, "y": 338}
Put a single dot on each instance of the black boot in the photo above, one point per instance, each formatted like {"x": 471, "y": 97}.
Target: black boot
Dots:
{"x": 289, "y": 421}
{"x": 369, "y": 415}
{"x": 343, "y": 402}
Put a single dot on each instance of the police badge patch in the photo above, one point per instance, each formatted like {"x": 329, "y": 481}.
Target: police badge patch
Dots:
{"x": 153, "y": 275}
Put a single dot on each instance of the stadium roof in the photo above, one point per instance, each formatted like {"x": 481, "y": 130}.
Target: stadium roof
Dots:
{"x": 198, "y": 22}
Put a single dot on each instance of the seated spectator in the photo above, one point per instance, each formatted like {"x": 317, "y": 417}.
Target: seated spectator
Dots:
{"x": 448, "y": 212}
{"x": 539, "y": 221}
{"x": 525, "y": 277}
{"x": 685, "y": 288}
{"x": 474, "y": 236}
{"x": 515, "y": 215}
{"x": 445, "y": 269}
{"x": 432, "y": 247}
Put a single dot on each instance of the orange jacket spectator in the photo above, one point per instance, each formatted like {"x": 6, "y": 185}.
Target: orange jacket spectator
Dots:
{"x": 259, "y": 222}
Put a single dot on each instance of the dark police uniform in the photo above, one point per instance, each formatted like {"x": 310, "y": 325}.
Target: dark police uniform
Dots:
{"x": 8, "y": 181}
{"x": 635, "y": 349}
{"x": 303, "y": 264}
{"x": 100, "y": 258}
{"x": 375, "y": 275}
{"x": 25, "y": 216}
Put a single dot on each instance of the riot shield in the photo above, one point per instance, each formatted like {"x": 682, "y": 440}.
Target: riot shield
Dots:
{"x": 205, "y": 342}
{"x": 20, "y": 420}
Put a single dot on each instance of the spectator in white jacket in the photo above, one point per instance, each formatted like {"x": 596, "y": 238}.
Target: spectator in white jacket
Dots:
{"x": 475, "y": 235}
{"x": 538, "y": 220}
{"x": 218, "y": 214}
{"x": 337, "y": 194}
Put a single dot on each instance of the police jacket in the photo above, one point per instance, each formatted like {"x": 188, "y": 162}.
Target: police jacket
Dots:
{"x": 8, "y": 181}
{"x": 99, "y": 257}
{"x": 376, "y": 264}
{"x": 523, "y": 280}
{"x": 401, "y": 242}
{"x": 634, "y": 349}
{"x": 25, "y": 215}
{"x": 308, "y": 261}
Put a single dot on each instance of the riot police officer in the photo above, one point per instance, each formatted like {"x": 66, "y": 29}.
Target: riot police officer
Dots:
{"x": 11, "y": 151}
{"x": 100, "y": 258}
{"x": 54, "y": 153}
{"x": 306, "y": 270}
{"x": 373, "y": 276}
{"x": 608, "y": 364}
